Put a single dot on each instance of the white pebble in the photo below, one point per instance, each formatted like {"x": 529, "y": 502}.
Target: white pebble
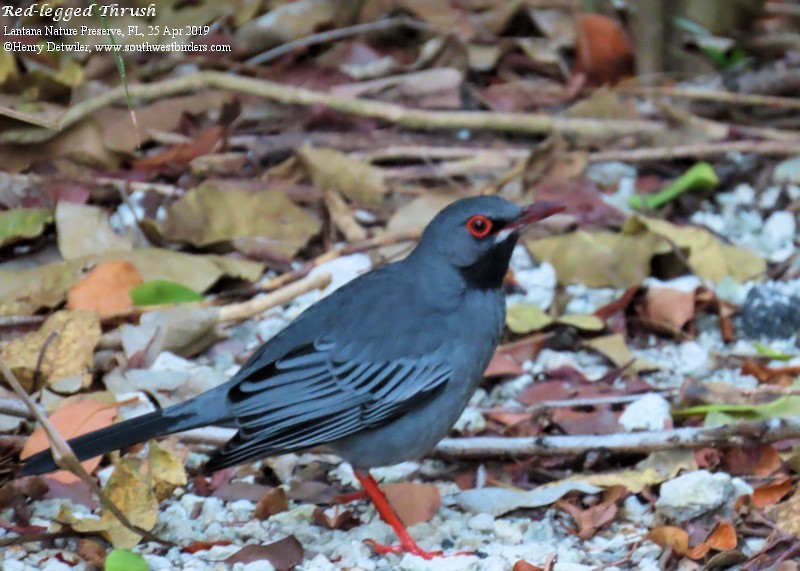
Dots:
{"x": 481, "y": 522}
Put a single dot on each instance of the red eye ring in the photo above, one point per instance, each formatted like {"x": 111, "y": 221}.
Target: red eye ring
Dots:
{"x": 479, "y": 226}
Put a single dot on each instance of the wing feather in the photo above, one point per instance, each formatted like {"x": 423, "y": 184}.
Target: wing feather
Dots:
{"x": 338, "y": 399}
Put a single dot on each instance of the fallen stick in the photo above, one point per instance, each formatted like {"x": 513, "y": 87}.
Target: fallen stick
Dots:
{"x": 247, "y": 309}
{"x": 777, "y": 148}
{"x": 729, "y": 97}
{"x": 65, "y": 458}
{"x": 531, "y": 123}
{"x": 727, "y": 436}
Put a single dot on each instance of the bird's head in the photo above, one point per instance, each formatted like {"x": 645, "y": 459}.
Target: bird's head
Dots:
{"x": 477, "y": 235}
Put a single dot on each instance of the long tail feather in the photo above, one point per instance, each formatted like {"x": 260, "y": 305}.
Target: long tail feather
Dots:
{"x": 185, "y": 416}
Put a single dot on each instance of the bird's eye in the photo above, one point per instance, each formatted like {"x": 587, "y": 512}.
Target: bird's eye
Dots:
{"x": 479, "y": 226}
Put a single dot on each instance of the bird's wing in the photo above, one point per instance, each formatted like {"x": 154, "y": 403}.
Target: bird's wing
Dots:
{"x": 308, "y": 398}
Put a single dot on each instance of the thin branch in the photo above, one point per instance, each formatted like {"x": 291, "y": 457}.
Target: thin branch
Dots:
{"x": 729, "y": 97}
{"x": 568, "y": 403}
{"x": 727, "y": 436}
{"x": 65, "y": 458}
{"x": 530, "y": 123}
{"x": 335, "y": 34}
{"x": 247, "y": 309}
{"x": 776, "y": 148}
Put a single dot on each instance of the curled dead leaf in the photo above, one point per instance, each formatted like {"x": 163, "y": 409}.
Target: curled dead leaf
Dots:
{"x": 71, "y": 420}
{"x": 772, "y": 493}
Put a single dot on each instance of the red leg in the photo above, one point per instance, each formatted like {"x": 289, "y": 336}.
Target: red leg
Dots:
{"x": 407, "y": 543}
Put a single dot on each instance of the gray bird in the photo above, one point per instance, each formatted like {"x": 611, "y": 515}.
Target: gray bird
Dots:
{"x": 379, "y": 371}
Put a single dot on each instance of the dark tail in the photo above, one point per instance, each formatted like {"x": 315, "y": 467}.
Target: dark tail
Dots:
{"x": 200, "y": 411}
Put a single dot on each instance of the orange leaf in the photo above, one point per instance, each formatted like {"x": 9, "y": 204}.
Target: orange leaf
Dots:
{"x": 502, "y": 365}
{"x": 413, "y": 502}
{"x": 672, "y": 537}
{"x": 523, "y": 565}
{"x": 759, "y": 461}
{"x": 772, "y": 493}
{"x": 669, "y": 309}
{"x": 723, "y": 538}
{"x": 603, "y": 50}
{"x": 106, "y": 288}
{"x": 184, "y": 153}
{"x": 73, "y": 419}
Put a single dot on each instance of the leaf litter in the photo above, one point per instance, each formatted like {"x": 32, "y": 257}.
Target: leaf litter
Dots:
{"x": 199, "y": 217}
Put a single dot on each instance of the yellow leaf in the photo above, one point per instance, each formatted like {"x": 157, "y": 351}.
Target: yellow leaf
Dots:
{"x": 331, "y": 169}
{"x": 614, "y": 347}
{"x": 132, "y": 494}
{"x": 166, "y": 471}
{"x": 526, "y": 317}
{"x": 584, "y": 322}
{"x": 68, "y": 353}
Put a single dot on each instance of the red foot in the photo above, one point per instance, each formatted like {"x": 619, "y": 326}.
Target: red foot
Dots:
{"x": 407, "y": 543}
{"x": 413, "y": 549}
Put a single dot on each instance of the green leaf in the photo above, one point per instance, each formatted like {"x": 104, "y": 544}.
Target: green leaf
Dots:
{"x": 162, "y": 292}
{"x": 22, "y": 223}
{"x": 700, "y": 177}
{"x": 772, "y": 353}
{"x": 783, "y": 407}
{"x": 125, "y": 560}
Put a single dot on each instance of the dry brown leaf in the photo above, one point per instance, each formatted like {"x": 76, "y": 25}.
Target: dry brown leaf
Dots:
{"x": 758, "y": 461}
{"x": 502, "y": 365}
{"x": 722, "y": 538}
{"x": 787, "y": 514}
{"x": 340, "y": 519}
{"x": 68, "y": 356}
{"x": 668, "y": 536}
{"x": 413, "y": 502}
{"x": 523, "y": 565}
{"x": 133, "y": 495}
{"x": 185, "y": 153}
{"x": 772, "y": 493}
{"x": 603, "y": 51}
{"x": 668, "y": 309}
{"x": 272, "y": 502}
{"x": 331, "y": 169}
{"x": 84, "y": 230}
{"x": 106, "y": 288}
{"x": 284, "y": 554}
{"x": 165, "y": 470}
{"x": 71, "y": 420}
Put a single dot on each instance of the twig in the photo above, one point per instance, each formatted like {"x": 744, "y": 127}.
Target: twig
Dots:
{"x": 567, "y": 403}
{"x": 65, "y": 458}
{"x": 335, "y": 34}
{"x": 369, "y": 244}
{"x": 21, "y": 320}
{"x": 777, "y": 148}
{"x": 729, "y": 97}
{"x": 116, "y": 183}
{"x": 247, "y": 309}
{"x": 428, "y": 152}
{"x": 531, "y": 123}
{"x": 15, "y": 407}
{"x": 343, "y": 218}
{"x": 730, "y": 435}
{"x": 31, "y": 537}
{"x": 27, "y": 118}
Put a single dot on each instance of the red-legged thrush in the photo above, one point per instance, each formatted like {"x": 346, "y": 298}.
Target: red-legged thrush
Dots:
{"x": 379, "y": 370}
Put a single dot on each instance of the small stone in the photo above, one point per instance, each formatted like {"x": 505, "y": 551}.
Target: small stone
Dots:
{"x": 651, "y": 412}
{"x": 610, "y": 173}
{"x": 481, "y": 522}
{"x": 242, "y": 510}
{"x": 693, "y": 494}
{"x": 777, "y": 236}
{"x": 787, "y": 171}
{"x": 56, "y": 565}
{"x": 769, "y": 313}
{"x": 261, "y": 565}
